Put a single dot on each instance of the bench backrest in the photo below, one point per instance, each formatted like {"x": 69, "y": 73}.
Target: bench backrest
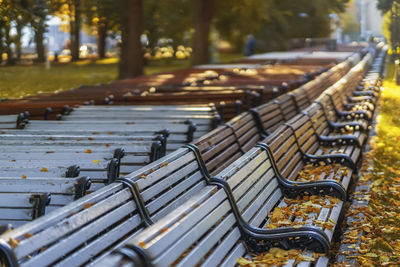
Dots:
{"x": 18, "y": 209}
{"x": 317, "y": 115}
{"x": 285, "y": 151}
{"x": 305, "y": 133}
{"x": 168, "y": 182}
{"x": 246, "y": 130}
{"x": 219, "y": 148}
{"x": 255, "y": 186}
{"x": 201, "y": 232}
{"x": 287, "y": 105}
{"x": 76, "y": 233}
{"x": 300, "y": 97}
{"x": 270, "y": 116}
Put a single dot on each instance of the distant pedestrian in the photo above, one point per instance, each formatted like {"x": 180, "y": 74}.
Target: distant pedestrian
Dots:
{"x": 250, "y": 46}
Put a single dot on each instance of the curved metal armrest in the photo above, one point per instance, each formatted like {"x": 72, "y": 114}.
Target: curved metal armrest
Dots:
{"x": 191, "y": 129}
{"x": 360, "y": 99}
{"x": 306, "y": 237}
{"x": 338, "y": 126}
{"x": 365, "y": 106}
{"x": 332, "y": 141}
{"x": 366, "y": 93}
{"x": 342, "y": 159}
{"x": 134, "y": 254}
{"x": 358, "y": 114}
{"x": 81, "y": 186}
{"x": 7, "y": 255}
{"x": 293, "y": 189}
{"x": 257, "y": 118}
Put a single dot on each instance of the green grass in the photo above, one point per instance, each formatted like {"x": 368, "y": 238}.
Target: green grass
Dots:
{"x": 20, "y": 81}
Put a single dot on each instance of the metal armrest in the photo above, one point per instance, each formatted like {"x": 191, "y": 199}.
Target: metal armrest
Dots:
{"x": 342, "y": 159}
{"x": 337, "y": 126}
{"x": 306, "y": 237}
{"x": 365, "y": 106}
{"x": 81, "y": 186}
{"x": 366, "y": 93}
{"x": 332, "y": 141}
{"x": 357, "y": 114}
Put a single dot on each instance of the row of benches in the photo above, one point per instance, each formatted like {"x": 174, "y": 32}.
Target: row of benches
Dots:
{"x": 98, "y": 169}
{"x": 99, "y": 151}
{"x": 249, "y": 207}
{"x": 95, "y": 225}
{"x": 54, "y": 159}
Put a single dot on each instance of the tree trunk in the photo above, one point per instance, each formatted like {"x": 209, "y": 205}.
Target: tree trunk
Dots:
{"x": 10, "y": 59}
{"x": 101, "y": 41}
{"x": 18, "y": 40}
{"x": 75, "y": 30}
{"x": 39, "y": 32}
{"x": 131, "y": 63}
{"x": 203, "y": 12}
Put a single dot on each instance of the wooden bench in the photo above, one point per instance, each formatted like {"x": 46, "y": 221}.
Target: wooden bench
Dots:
{"x": 340, "y": 92}
{"x": 179, "y": 133}
{"x": 268, "y": 117}
{"x": 338, "y": 120}
{"x": 13, "y": 121}
{"x": 102, "y": 159}
{"x": 287, "y": 106}
{"x": 336, "y": 152}
{"x": 159, "y": 137}
{"x": 204, "y": 117}
{"x": 88, "y": 229}
{"x": 225, "y": 144}
{"x": 230, "y": 219}
{"x": 327, "y": 133}
{"x": 72, "y": 233}
{"x": 296, "y": 165}
{"x": 348, "y": 102}
{"x": 15, "y": 191}
{"x": 248, "y": 99}
{"x": 200, "y": 124}
{"x": 18, "y": 209}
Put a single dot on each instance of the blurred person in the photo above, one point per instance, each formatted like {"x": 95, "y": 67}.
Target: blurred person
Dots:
{"x": 250, "y": 46}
